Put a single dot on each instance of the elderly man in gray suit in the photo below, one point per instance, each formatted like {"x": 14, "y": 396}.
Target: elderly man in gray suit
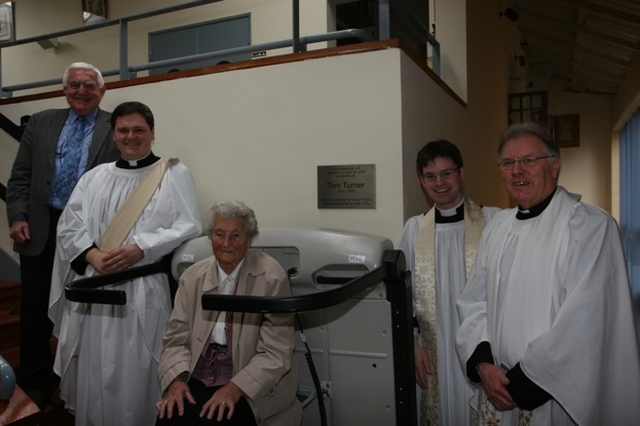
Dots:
{"x": 57, "y": 147}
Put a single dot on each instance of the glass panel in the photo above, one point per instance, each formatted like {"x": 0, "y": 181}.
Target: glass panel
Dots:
{"x": 515, "y": 103}
{"x": 530, "y": 106}
{"x": 536, "y": 101}
{"x": 535, "y": 115}
{"x": 6, "y": 21}
{"x": 94, "y": 11}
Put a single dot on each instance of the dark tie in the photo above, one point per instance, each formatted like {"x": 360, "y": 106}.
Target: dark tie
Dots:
{"x": 68, "y": 176}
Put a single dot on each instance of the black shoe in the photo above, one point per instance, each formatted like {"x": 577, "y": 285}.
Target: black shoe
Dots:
{"x": 39, "y": 397}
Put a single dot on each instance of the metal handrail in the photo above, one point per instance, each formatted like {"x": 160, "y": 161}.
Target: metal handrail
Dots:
{"x": 109, "y": 23}
{"x": 298, "y": 43}
{"x": 131, "y": 70}
{"x": 87, "y": 290}
{"x": 303, "y": 41}
{"x": 122, "y": 22}
{"x": 309, "y": 302}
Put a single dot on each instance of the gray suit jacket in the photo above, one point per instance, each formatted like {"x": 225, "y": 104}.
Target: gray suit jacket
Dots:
{"x": 32, "y": 172}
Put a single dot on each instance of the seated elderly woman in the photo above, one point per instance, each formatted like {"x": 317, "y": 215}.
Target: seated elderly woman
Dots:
{"x": 223, "y": 367}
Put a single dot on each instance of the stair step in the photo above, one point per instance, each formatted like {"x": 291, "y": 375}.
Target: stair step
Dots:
{"x": 10, "y": 325}
{"x": 12, "y": 356}
{"x": 10, "y": 339}
{"x": 9, "y": 295}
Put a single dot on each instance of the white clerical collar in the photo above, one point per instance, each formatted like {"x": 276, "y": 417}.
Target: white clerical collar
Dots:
{"x": 145, "y": 161}
{"x": 536, "y": 210}
{"x": 134, "y": 163}
{"x": 452, "y": 211}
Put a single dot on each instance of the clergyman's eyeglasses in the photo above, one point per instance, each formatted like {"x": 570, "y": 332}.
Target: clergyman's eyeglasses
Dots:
{"x": 444, "y": 175}
{"x": 525, "y": 163}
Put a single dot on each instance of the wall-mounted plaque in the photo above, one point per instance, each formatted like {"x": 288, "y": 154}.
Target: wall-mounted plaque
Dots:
{"x": 349, "y": 186}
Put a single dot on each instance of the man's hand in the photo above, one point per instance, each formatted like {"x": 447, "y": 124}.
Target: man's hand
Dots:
{"x": 423, "y": 364}
{"x": 174, "y": 398}
{"x": 225, "y": 398}
{"x": 20, "y": 231}
{"x": 122, "y": 258}
{"x": 495, "y": 382}
{"x": 95, "y": 258}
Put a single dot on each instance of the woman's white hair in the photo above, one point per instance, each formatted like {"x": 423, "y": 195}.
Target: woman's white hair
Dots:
{"x": 233, "y": 210}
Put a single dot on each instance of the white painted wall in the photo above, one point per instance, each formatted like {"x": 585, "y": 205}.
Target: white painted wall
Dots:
{"x": 587, "y": 169}
{"x": 450, "y": 18}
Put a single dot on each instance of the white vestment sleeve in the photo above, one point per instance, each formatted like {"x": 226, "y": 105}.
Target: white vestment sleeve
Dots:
{"x": 472, "y": 306}
{"x": 406, "y": 245}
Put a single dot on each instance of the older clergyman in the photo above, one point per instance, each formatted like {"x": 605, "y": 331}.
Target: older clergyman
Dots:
{"x": 547, "y": 319}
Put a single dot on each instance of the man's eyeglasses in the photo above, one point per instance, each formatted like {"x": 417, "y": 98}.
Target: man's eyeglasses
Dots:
{"x": 525, "y": 163}
{"x": 444, "y": 175}
{"x": 89, "y": 86}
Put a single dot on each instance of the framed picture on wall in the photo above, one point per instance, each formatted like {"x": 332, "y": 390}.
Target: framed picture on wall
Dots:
{"x": 6, "y": 21}
{"x": 566, "y": 130}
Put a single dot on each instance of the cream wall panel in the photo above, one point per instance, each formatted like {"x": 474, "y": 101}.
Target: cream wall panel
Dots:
{"x": 451, "y": 31}
{"x": 586, "y": 169}
{"x": 37, "y": 17}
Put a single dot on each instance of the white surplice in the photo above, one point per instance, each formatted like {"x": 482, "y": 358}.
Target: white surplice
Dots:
{"x": 107, "y": 356}
{"x": 552, "y": 293}
{"x": 451, "y": 265}
{"x": 406, "y": 244}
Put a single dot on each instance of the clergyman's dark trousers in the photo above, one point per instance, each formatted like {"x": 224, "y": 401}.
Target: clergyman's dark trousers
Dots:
{"x": 36, "y": 361}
